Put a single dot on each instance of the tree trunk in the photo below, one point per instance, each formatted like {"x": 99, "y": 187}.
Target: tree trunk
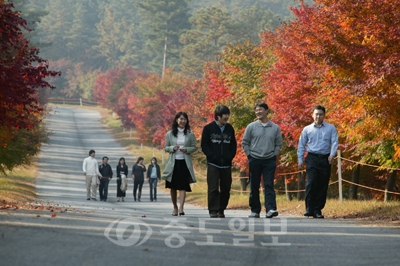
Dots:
{"x": 301, "y": 185}
{"x": 391, "y": 181}
{"x": 355, "y": 178}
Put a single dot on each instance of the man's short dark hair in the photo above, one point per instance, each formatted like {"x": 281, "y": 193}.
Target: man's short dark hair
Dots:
{"x": 105, "y": 157}
{"x": 91, "y": 151}
{"x": 261, "y": 104}
{"x": 319, "y": 107}
{"x": 221, "y": 110}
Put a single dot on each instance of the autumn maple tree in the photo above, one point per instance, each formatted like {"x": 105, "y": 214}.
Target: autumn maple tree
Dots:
{"x": 23, "y": 77}
{"x": 341, "y": 54}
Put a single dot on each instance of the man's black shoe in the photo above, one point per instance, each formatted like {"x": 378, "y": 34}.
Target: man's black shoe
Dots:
{"x": 308, "y": 214}
{"x": 318, "y": 216}
{"x": 213, "y": 215}
{"x": 88, "y": 199}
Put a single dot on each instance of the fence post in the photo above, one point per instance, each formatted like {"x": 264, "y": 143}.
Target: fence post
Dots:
{"x": 386, "y": 196}
{"x": 162, "y": 156}
{"x": 80, "y": 101}
{"x": 286, "y": 189}
{"x": 153, "y": 151}
{"x": 340, "y": 175}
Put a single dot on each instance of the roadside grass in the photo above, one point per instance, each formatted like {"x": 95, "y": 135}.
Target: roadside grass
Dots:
{"x": 19, "y": 185}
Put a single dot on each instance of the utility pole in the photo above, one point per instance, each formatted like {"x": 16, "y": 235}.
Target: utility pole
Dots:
{"x": 165, "y": 57}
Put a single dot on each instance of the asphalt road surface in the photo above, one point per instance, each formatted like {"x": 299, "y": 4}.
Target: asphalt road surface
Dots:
{"x": 145, "y": 233}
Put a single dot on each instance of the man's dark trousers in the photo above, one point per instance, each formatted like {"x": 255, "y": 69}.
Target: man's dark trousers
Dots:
{"x": 266, "y": 168}
{"x": 103, "y": 188}
{"x": 219, "y": 181}
{"x": 318, "y": 174}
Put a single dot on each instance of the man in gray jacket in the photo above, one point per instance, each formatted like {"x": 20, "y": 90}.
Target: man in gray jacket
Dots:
{"x": 262, "y": 142}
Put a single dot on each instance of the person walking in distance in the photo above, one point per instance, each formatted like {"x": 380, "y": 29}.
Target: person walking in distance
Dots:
{"x": 320, "y": 140}
{"x": 138, "y": 170}
{"x": 107, "y": 173}
{"x": 91, "y": 172}
{"x": 122, "y": 173}
{"x": 218, "y": 143}
{"x": 153, "y": 175}
{"x": 180, "y": 143}
{"x": 262, "y": 142}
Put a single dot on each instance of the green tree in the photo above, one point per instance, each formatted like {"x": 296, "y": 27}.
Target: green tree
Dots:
{"x": 120, "y": 40}
{"x": 69, "y": 29}
{"x": 166, "y": 21}
{"x": 209, "y": 35}
{"x": 254, "y": 20}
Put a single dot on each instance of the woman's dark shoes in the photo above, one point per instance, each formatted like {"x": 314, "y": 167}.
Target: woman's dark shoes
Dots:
{"x": 175, "y": 212}
{"x": 181, "y": 213}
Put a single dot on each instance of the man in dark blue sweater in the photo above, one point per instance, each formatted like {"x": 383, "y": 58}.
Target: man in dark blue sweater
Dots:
{"x": 218, "y": 143}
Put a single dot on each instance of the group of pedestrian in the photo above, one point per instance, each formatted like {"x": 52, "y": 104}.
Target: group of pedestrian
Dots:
{"x": 262, "y": 142}
{"x": 100, "y": 176}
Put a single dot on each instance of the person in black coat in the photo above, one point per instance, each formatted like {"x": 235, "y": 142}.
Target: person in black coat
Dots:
{"x": 138, "y": 170}
{"x": 153, "y": 175}
{"x": 218, "y": 143}
{"x": 122, "y": 170}
{"x": 107, "y": 173}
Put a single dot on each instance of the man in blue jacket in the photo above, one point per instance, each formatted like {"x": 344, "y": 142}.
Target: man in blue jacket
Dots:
{"x": 218, "y": 143}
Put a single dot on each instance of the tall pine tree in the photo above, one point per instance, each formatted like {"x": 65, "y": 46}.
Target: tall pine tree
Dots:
{"x": 166, "y": 20}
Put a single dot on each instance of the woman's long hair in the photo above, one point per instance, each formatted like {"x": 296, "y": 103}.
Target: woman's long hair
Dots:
{"x": 139, "y": 159}
{"x": 119, "y": 162}
{"x": 175, "y": 124}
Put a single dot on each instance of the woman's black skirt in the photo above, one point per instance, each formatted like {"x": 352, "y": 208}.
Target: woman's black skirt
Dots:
{"x": 180, "y": 177}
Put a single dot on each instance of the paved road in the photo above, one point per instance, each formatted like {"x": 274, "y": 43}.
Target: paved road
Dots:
{"x": 145, "y": 233}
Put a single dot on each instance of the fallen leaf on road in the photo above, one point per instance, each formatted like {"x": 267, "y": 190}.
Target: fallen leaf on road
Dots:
{"x": 38, "y": 215}
{"x": 143, "y": 216}
{"x": 53, "y": 215}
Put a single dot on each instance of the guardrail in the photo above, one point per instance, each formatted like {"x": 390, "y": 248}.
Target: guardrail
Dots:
{"x": 73, "y": 101}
